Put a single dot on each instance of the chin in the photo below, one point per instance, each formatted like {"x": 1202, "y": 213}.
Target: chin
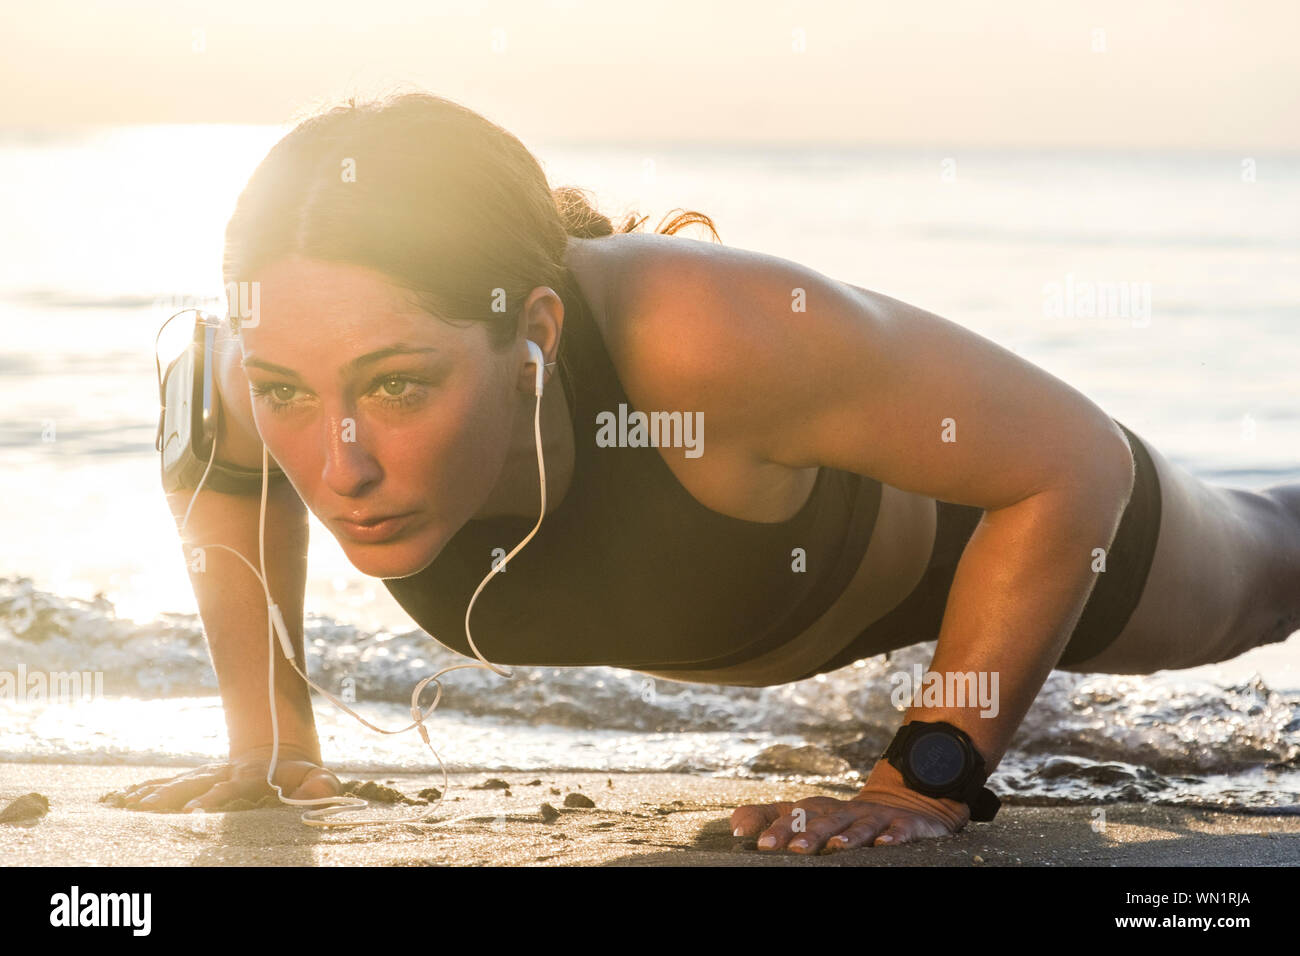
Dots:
{"x": 398, "y": 560}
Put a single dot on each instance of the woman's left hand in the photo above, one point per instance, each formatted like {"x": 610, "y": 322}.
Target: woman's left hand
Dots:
{"x": 885, "y": 812}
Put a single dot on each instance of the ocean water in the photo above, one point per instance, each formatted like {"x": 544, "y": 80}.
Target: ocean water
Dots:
{"x": 109, "y": 230}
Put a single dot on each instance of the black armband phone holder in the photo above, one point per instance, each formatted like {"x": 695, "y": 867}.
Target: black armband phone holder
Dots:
{"x": 187, "y": 420}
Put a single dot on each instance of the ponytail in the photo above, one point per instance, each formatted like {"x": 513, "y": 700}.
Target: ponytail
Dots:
{"x": 583, "y": 221}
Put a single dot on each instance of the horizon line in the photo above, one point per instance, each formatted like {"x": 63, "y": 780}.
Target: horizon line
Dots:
{"x": 43, "y": 129}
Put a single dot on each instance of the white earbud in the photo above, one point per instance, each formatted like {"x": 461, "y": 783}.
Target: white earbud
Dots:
{"x": 539, "y": 359}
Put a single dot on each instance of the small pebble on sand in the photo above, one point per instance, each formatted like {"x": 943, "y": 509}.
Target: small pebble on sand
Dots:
{"x": 30, "y": 806}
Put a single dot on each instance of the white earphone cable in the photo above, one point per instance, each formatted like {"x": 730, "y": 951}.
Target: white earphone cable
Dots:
{"x": 329, "y": 806}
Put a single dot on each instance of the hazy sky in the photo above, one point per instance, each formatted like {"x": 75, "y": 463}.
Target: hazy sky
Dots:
{"x": 1220, "y": 74}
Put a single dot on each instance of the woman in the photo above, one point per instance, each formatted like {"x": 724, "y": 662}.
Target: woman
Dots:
{"x": 861, "y": 475}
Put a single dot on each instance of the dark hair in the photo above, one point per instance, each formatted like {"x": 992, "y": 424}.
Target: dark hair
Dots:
{"x": 442, "y": 201}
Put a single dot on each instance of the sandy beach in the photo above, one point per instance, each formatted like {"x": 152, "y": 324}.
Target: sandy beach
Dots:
{"x": 644, "y": 819}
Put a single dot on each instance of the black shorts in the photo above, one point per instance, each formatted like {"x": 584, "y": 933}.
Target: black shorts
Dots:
{"x": 1113, "y": 598}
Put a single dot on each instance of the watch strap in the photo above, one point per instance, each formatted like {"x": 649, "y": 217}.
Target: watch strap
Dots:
{"x": 983, "y": 802}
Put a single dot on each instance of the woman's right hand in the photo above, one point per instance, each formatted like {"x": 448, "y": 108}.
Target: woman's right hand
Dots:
{"x": 300, "y": 776}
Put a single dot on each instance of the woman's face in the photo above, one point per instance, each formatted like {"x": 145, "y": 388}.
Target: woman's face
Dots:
{"x": 392, "y": 425}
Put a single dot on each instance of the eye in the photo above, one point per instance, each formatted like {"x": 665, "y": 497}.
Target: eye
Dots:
{"x": 282, "y": 396}
{"x": 278, "y": 395}
{"x": 398, "y": 391}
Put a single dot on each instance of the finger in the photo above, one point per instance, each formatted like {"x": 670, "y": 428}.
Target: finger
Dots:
{"x": 143, "y": 789}
{"x": 778, "y": 835}
{"x": 140, "y": 791}
{"x": 170, "y": 796}
{"x": 911, "y": 828}
{"x": 133, "y": 797}
{"x": 897, "y": 832}
{"x": 860, "y": 833}
{"x": 146, "y": 794}
{"x": 223, "y": 793}
{"x": 752, "y": 819}
{"x": 288, "y": 775}
{"x": 145, "y": 783}
{"x": 318, "y": 783}
{"x": 818, "y": 830}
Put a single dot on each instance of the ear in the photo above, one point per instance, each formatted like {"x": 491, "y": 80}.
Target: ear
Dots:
{"x": 541, "y": 321}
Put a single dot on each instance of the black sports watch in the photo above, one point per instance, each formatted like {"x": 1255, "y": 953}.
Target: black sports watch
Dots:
{"x": 939, "y": 760}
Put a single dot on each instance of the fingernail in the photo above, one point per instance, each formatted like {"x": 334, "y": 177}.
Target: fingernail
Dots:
{"x": 150, "y": 800}
{"x": 884, "y": 839}
{"x": 767, "y": 842}
{"x": 801, "y": 844}
{"x": 738, "y": 832}
{"x": 836, "y": 841}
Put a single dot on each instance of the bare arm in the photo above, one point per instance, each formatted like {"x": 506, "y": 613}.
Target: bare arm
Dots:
{"x": 231, "y": 600}
{"x": 232, "y": 603}
{"x": 818, "y": 372}
{"x": 233, "y": 607}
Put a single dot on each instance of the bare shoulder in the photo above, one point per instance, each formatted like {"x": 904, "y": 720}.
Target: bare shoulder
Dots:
{"x": 680, "y": 340}
{"x": 793, "y": 369}
{"x": 694, "y": 325}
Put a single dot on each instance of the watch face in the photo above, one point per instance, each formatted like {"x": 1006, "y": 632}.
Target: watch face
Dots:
{"x": 936, "y": 758}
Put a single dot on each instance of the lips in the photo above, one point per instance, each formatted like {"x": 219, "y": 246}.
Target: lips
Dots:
{"x": 372, "y": 529}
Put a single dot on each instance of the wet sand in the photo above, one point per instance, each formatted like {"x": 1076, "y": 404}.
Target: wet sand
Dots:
{"x": 645, "y": 819}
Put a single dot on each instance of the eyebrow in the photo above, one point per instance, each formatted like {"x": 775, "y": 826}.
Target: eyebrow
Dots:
{"x": 399, "y": 348}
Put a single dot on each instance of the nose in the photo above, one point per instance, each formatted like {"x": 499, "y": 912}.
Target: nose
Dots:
{"x": 349, "y": 468}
